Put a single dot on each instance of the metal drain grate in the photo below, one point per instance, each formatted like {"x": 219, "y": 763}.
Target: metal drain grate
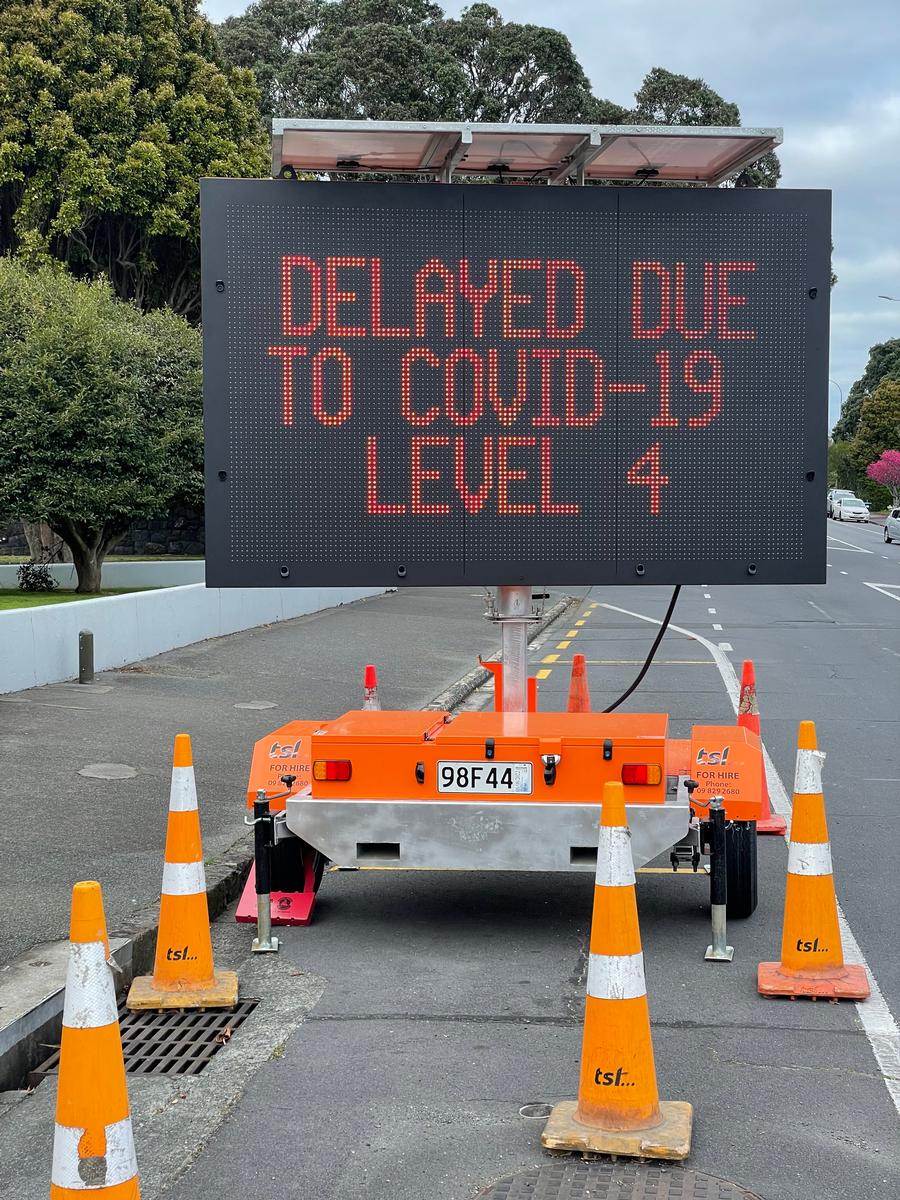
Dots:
{"x": 174, "y": 1042}
{"x": 613, "y": 1181}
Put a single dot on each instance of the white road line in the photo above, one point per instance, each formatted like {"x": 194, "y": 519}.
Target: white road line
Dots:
{"x": 726, "y": 646}
{"x": 718, "y": 627}
{"x": 874, "y": 1014}
{"x": 821, "y": 610}
{"x": 712, "y": 611}
{"x": 880, "y": 587}
{"x": 845, "y": 572}
{"x": 707, "y": 596}
{"x": 851, "y": 546}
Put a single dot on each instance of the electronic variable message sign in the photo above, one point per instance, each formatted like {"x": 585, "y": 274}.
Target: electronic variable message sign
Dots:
{"x": 490, "y": 384}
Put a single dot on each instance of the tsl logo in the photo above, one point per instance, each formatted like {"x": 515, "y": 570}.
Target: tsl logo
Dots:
{"x": 713, "y": 758}
{"x": 288, "y": 750}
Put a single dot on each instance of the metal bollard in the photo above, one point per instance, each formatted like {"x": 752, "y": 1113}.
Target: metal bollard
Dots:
{"x": 719, "y": 951}
{"x": 262, "y": 841}
{"x": 85, "y": 656}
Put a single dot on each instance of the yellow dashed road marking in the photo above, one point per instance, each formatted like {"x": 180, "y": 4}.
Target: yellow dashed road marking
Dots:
{"x": 563, "y": 645}
{"x": 550, "y": 658}
{"x": 572, "y": 633}
{"x": 544, "y": 674}
{"x": 579, "y": 623}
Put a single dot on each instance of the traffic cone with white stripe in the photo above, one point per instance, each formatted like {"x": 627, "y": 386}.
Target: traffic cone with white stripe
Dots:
{"x": 370, "y": 689}
{"x": 93, "y": 1148}
{"x": 812, "y": 958}
{"x": 618, "y": 1110}
{"x": 579, "y": 696}
{"x": 748, "y": 718}
{"x": 183, "y": 974}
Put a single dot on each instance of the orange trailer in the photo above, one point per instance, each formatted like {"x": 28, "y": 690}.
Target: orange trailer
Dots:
{"x": 500, "y": 791}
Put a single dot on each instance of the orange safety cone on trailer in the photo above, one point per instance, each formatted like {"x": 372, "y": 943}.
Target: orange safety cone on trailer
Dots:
{"x": 618, "y": 1110}
{"x": 812, "y": 958}
{"x": 748, "y": 718}
{"x": 93, "y": 1147}
{"x": 370, "y": 689}
{"x": 579, "y": 696}
{"x": 183, "y": 974}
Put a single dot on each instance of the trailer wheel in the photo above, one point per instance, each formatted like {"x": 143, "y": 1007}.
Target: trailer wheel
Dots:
{"x": 740, "y": 842}
{"x": 288, "y": 865}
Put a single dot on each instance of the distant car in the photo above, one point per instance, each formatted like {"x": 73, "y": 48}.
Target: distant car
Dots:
{"x": 833, "y": 496}
{"x": 850, "y": 508}
{"x": 892, "y": 525}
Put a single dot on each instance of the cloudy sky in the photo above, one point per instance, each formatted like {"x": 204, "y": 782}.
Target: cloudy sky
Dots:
{"x": 827, "y": 71}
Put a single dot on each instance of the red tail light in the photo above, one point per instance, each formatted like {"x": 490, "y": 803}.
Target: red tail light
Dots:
{"x": 332, "y": 770}
{"x": 642, "y": 773}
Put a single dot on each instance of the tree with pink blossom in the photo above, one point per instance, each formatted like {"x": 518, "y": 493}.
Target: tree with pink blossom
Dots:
{"x": 886, "y": 471}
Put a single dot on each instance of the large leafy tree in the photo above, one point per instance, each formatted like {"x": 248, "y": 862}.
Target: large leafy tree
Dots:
{"x": 879, "y": 424}
{"x": 110, "y": 112}
{"x": 665, "y": 98}
{"x": 884, "y": 363}
{"x": 403, "y": 60}
{"x": 525, "y": 73}
{"x": 100, "y": 407}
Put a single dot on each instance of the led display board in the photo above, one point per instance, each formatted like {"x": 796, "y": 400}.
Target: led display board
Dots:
{"x": 429, "y": 384}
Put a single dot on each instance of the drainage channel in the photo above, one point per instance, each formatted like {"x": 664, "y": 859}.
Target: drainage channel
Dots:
{"x": 172, "y": 1042}
{"x": 613, "y": 1181}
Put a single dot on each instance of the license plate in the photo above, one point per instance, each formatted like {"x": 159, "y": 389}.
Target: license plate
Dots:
{"x": 485, "y": 778}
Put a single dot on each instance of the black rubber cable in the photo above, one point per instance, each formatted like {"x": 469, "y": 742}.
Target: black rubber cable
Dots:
{"x": 653, "y": 649}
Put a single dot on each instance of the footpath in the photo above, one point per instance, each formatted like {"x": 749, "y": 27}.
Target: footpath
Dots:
{"x": 85, "y": 769}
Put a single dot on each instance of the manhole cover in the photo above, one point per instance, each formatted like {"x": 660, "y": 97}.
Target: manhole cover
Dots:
{"x": 613, "y": 1181}
{"x": 174, "y": 1042}
{"x": 108, "y": 771}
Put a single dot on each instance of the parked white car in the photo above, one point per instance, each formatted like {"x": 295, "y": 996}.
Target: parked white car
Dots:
{"x": 831, "y": 500}
{"x": 892, "y": 526}
{"x": 850, "y": 508}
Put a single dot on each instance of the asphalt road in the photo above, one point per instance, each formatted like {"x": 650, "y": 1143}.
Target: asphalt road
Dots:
{"x": 398, "y": 1037}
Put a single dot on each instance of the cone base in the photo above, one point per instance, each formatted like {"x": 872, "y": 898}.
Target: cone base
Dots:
{"x": 222, "y": 992}
{"x": 849, "y": 982}
{"x": 772, "y": 824}
{"x": 670, "y": 1140}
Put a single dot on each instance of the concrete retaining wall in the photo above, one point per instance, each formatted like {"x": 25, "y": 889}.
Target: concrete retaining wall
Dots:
{"x": 40, "y": 645}
{"x": 121, "y": 574}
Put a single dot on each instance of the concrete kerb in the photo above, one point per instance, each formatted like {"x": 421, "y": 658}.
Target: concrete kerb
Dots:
{"x": 32, "y": 986}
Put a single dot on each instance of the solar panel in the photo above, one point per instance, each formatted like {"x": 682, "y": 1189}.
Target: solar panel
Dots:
{"x": 555, "y": 153}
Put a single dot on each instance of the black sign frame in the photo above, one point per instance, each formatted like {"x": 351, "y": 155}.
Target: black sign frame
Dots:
{"x": 802, "y": 219}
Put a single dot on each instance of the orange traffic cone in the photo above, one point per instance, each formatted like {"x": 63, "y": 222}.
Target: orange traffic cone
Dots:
{"x": 618, "y": 1110}
{"x": 183, "y": 973}
{"x": 370, "y": 689}
{"x": 812, "y": 958}
{"x": 93, "y": 1148}
{"x": 579, "y": 696}
{"x": 748, "y": 718}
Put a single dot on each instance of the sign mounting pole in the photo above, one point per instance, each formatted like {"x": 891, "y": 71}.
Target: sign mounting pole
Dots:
{"x": 514, "y": 616}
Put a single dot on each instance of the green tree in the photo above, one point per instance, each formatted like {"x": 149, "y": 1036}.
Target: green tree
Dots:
{"x": 668, "y": 99}
{"x": 884, "y": 363}
{"x": 110, "y": 112}
{"x": 842, "y": 470}
{"x": 100, "y": 407}
{"x": 526, "y": 73}
{"x": 333, "y": 59}
{"x": 403, "y": 60}
{"x": 879, "y": 424}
